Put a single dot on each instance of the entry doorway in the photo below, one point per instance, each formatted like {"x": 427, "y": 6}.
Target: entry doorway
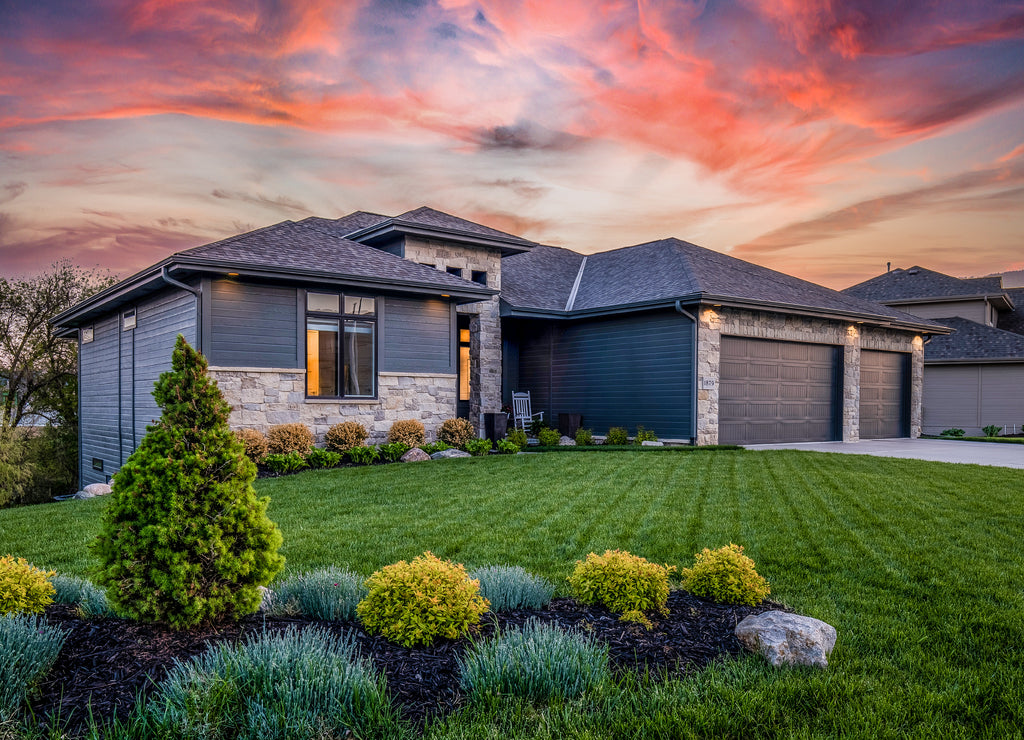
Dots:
{"x": 462, "y": 408}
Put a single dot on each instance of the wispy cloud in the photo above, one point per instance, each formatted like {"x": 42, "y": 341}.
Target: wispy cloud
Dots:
{"x": 281, "y": 203}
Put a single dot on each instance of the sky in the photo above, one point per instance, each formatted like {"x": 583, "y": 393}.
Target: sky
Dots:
{"x": 820, "y": 138}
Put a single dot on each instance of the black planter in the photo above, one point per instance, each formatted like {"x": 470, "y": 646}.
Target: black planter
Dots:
{"x": 495, "y": 426}
{"x": 568, "y": 424}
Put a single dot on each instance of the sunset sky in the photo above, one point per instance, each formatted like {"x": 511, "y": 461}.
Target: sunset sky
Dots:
{"x": 818, "y": 138}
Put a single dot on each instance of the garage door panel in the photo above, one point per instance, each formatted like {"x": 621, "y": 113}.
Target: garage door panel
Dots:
{"x": 884, "y": 403}
{"x": 777, "y": 391}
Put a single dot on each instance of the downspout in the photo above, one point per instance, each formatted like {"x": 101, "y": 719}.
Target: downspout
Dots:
{"x": 198, "y": 293}
{"x": 693, "y": 395}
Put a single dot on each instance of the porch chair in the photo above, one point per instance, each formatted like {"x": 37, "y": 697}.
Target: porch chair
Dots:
{"x": 522, "y": 414}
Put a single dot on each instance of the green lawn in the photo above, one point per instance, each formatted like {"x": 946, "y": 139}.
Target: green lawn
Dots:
{"x": 916, "y": 564}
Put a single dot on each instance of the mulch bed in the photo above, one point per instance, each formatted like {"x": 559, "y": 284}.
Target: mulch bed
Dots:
{"x": 107, "y": 663}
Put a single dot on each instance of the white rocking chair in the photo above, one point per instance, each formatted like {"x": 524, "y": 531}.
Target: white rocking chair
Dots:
{"x": 522, "y": 413}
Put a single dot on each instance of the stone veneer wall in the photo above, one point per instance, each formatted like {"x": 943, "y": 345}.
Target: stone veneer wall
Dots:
{"x": 261, "y": 398}
{"x": 485, "y": 319}
{"x": 716, "y": 322}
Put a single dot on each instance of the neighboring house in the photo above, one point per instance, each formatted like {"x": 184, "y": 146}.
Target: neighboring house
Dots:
{"x": 973, "y": 377}
{"x": 428, "y": 316}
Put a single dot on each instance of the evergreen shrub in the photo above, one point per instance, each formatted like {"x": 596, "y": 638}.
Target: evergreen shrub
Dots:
{"x": 537, "y": 661}
{"x": 184, "y": 540}
{"x": 518, "y": 438}
{"x": 329, "y": 593}
{"x": 477, "y": 447}
{"x": 285, "y": 438}
{"x": 725, "y": 575}
{"x": 622, "y": 582}
{"x": 28, "y": 649}
{"x": 549, "y": 437}
{"x": 644, "y": 435}
{"x": 584, "y": 437}
{"x": 346, "y": 435}
{"x": 617, "y": 436}
{"x": 255, "y": 443}
{"x": 414, "y": 603}
{"x": 509, "y": 587}
{"x": 408, "y": 431}
{"x": 456, "y": 432}
{"x": 393, "y": 451}
{"x": 24, "y": 588}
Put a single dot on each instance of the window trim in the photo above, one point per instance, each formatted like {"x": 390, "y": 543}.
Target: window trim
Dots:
{"x": 129, "y": 319}
{"x": 341, "y": 318}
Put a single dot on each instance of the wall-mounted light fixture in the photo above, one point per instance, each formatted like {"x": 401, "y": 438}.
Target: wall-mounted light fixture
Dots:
{"x": 232, "y": 274}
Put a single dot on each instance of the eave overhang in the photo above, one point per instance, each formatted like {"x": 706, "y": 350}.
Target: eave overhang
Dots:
{"x": 389, "y": 229}
{"x": 1001, "y": 301}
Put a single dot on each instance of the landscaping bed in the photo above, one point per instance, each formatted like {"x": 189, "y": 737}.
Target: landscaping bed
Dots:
{"x": 107, "y": 663}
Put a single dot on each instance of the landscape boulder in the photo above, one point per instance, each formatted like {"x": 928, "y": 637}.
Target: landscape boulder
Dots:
{"x": 652, "y": 443}
{"x": 97, "y": 489}
{"x": 415, "y": 455}
{"x": 787, "y": 639}
{"x": 566, "y": 442}
{"x": 443, "y": 454}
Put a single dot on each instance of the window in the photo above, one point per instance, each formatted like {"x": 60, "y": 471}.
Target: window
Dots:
{"x": 87, "y": 335}
{"x": 456, "y": 271}
{"x": 341, "y": 348}
{"x": 429, "y": 264}
{"x": 464, "y": 364}
{"x": 128, "y": 320}
{"x": 480, "y": 276}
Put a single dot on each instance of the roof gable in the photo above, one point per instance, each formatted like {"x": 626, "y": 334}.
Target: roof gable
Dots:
{"x": 919, "y": 282}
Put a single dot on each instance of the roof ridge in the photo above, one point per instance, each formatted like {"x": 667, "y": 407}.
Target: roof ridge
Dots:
{"x": 576, "y": 285}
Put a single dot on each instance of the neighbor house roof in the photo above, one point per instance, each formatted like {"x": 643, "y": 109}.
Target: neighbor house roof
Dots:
{"x": 919, "y": 284}
{"x": 660, "y": 272}
{"x": 974, "y": 342}
{"x": 1013, "y": 320}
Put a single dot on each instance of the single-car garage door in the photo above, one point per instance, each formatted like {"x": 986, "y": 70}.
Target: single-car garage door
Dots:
{"x": 778, "y": 391}
{"x": 884, "y": 398}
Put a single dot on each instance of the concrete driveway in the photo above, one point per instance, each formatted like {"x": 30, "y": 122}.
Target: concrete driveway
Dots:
{"x": 938, "y": 450}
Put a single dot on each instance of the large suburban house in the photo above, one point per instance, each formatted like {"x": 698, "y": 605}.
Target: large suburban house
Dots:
{"x": 973, "y": 377}
{"x": 425, "y": 315}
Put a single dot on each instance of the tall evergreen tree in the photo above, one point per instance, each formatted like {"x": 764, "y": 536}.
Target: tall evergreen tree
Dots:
{"x": 184, "y": 540}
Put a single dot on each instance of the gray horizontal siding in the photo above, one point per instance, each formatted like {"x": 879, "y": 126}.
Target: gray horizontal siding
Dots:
{"x": 972, "y": 396}
{"x": 98, "y": 402}
{"x": 253, "y": 325}
{"x": 622, "y": 371}
{"x": 416, "y": 336}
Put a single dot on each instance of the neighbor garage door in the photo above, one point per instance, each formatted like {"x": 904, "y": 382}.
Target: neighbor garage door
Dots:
{"x": 884, "y": 401}
{"x": 777, "y": 391}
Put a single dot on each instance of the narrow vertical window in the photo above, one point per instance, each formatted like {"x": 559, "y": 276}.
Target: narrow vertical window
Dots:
{"x": 463, "y": 364}
{"x": 321, "y": 357}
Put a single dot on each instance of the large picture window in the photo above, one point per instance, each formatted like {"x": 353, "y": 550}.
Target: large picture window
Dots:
{"x": 341, "y": 346}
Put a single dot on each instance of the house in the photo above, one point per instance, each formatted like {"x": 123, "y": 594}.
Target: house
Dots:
{"x": 425, "y": 315}
{"x": 974, "y": 376}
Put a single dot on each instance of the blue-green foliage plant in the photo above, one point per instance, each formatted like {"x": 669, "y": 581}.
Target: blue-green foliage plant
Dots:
{"x": 86, "y": 595}
{"x": 477, "y": 447}
{"x": 510, "y": 587}
{"x": 363, "y": 455}
{"x": 538, "y": 661}
{"x": 318, "y": 458}
{"x": 28, "y": 648}
{"x": 329, "y": 593}
{"x": 295, "y": 684}
{"x": 507, "y": 447}
{"x": 283, "y": 463}
{"x": 393, "y": 451}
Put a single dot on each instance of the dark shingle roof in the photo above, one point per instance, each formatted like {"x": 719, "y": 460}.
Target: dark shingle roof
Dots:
{"x": 307, "y": 247}
{"x": 430, "y": 217}
{"x": 917, "y": 282}
{"x": 663, "y": 271}
{"x": 972, "y": 340}
{"x": 1013, "y": 320}
{"x": 346, "y": 224}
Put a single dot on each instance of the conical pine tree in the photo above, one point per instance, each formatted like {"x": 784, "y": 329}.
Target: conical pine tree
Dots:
{"x": 184, "y": 540}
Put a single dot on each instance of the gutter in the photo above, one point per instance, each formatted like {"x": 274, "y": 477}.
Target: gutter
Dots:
{"x": 198, "y": 293}
{"x": 693, "y": 396}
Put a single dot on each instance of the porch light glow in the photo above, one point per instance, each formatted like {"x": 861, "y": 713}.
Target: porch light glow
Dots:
{"x": 445, "y": 295}
{"x": 232, "y": 274}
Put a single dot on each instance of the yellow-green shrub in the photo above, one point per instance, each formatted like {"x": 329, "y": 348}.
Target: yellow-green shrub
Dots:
{"x": 622, "y": 582}
{"x": 346, "y": 435}
{"x": 456, "y": 432}
{"x": 407, "y": 431}
{"x": 415, "y": 603}
{"x": 285, "y": 438}
{"x": 255, "y": 443}
{"x": 725, "y": 575}
{"x": 23, "y": 587}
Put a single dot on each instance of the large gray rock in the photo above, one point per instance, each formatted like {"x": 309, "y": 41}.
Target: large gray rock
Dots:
{"x": 652, "y": 443}
{"x": 787, "y": 639}
{"x": 444, "y": 454}
{"x": 415, "y": 455}
{"x": 97, "y": 489}
{"x": 566, "y": 442}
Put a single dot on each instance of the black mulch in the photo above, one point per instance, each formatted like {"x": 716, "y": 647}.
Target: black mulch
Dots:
{"x": 107, "y": 663}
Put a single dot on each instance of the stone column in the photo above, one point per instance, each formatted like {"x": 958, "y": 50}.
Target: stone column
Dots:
{"x": 709, "y": 354}
{"x": 851, "y": 385}
{"x": 916, "y": 386}
{"x": 484, "y": 360}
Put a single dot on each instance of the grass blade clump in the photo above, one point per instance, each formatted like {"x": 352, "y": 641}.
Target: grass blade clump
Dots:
{"x": 510, "y": 587}
{"x": 28, "y": 647}
{"x": 300, "y": 683}
{"x": 90, "y": 598}
{"x": 538, "y": 661}
{"x": 329, "y": 593}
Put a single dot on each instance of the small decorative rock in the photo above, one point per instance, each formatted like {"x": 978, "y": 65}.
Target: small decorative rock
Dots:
{"x": 566, "y": 442}
{"x": 787, "y": 639}
{"x": 97, "y": 489}
{"x": 443, "y": 454}
{"x": 652, "y": 443}
{"x": 415, "y": 455}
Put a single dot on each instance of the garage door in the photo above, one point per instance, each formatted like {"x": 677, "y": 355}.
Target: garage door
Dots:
{"x": 777, "y": 391}
{"x": 884, "y": 402}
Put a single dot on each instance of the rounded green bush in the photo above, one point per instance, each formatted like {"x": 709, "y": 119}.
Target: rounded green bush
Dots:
{"x": 549, "y": 437}
{"x": 725, "y": 575}
{"x": 456, "y": 432}
{"x": 24, "y": 588}
{"x": 622, "y": 582}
